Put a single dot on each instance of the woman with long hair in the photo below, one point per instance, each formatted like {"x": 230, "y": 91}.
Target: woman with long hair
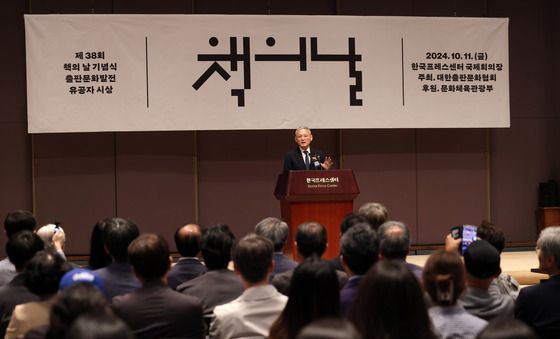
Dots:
{"x": 314, "y": 294}
{"x": 390, "y": 304}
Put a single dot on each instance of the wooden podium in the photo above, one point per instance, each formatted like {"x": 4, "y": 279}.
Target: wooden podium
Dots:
{"x": 322, "y": 196}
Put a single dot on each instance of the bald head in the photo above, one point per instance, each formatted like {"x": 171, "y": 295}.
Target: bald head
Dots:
{"x": 187, "y": 240}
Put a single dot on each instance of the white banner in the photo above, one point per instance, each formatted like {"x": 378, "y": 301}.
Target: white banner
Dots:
{"x": 90, "y": 73}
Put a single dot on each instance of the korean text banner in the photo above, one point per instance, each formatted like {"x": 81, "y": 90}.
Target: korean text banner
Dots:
{"x": 89, "y": 73}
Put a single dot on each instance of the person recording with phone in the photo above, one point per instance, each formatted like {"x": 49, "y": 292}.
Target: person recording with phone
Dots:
{"x": 304, "y": 158}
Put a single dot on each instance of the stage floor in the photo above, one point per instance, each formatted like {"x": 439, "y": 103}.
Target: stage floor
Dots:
{"x": 518, "y": 264}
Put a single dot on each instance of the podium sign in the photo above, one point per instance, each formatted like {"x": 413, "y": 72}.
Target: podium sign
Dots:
{"x": 321, "y": 196}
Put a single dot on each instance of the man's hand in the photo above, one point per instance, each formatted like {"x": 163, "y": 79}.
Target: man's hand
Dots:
{"x": 59, "y": 238}
{"x": 452, "y": 245}
{"x": 327, "y": 163}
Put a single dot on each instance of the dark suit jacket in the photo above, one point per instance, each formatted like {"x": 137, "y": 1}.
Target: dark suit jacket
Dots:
{"x": 213, "y": 288}
{"x": 185, "y": 270}
{"x": 119, "y": 279}
{"x": 348, "y": 294}
{"x": 539, "y": 307}
{"x": 283, "y": 281}
{"x": 282, "y": 263}
{"x": 293, "y": 161}
{"x": 12, "y": 294}
{"x": 156, "y": 311}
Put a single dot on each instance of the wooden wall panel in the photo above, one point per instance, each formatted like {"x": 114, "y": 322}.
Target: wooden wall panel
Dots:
{"x": 152, "y": 7}
{"x": 384, "y": 163}
{"x": 155, "y": 180}
{"x": 378, "y": 7}
{"x": 74, "y": 183}
{"x": 452, "y": 180}
{"x": 231, "y": 7}
{"x": 307, "y": 7}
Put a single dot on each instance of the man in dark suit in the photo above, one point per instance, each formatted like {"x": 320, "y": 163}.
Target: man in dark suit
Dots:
{"x": 276, "y": 231}
{"x": 303, "y": 157}
{"x": 15, "y": 221}
{"x": 311, "y": 239}
{"x": 21, "y": 247}
{"x": 118, "y": 276}
{"x": 394, "y": 244}
{"x": 539, "y": 305}
{"x": 219, "y": 285}
{"x": 358, "y": 252}
{"x": 189, "y": 266}
{"x": 155, "y": 310}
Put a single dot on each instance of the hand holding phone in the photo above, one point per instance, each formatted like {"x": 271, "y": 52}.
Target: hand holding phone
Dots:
{"x": 467, "y": 234}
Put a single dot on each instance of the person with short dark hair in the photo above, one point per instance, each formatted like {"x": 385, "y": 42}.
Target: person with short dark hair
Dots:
{"x": 276, "y": 231}
{"x": 390, "y": 304}
{"x": 21, "y": 247}
{"x": 99, "y": 326}
{"x": 313, "y": 295}
{"x": 311, "y": 239}
{"x": 218, "y": 285}
{"x": 189, "y": 266}
{"x": 118, "y": 276}
{"x": 155, "y": 310}
{"x": 349, "y": 220}
{"x": 375, "y": 212}
{"x": 15, "y": 221}
{"x": 252, "y": 314}
{"x": 482, "y": 263}
{"x": 443, "y": 279}
{"x": 42, "y": 276}
{"x": 505, "y": 283}
{"x": 358, "y": 253}
{"x": 394, "y": 244}
{"x": 539, "y": 306}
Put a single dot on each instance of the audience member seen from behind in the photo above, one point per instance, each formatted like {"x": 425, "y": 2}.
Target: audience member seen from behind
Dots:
{"x": 218, "y": 285}
{"x": 99, "y": 326}
{"x": 15, "y": 221}
{"x": 21, "y": 247}
{"x": 482, "y": 263}
{"x": 358, "y": 248}
{"x": 98, "y": 256}
{"x": 394, "y": 244}
{"x": 155, "y": 310}
{"x": 189, "y": 266}
{"x": 375, "y": 212}
{"x": 118, "y": 276}
{"x": 42, "y": 276}
{"x": 329, "y": 328}
{"x": 539, "y": 305}
{"x": 443, "y": 279}
{"x": 78, "y": 299}
{"x": 252, "y": 314}
{"x": 505, "y": 283}
{"x": 311, "y": 239}
{"x": 506, "y": 328}
{"x": 276, "y": 231}
{"x": 313, "y": 295}
{"x": 390, "y": 304}
{"x": 54, "y": 237}
{"x": 351, "y": 219}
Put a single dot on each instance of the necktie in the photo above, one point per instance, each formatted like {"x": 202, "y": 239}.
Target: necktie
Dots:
{"x": 306, "y": 159}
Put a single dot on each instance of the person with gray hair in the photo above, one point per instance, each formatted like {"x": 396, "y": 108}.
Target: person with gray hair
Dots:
{"x": 394, "y": 244}
{"x": 375, "y": 212}
{"x": 539, "y": 305}
{"x": 276, "y": 231}
{"x": 302, "y": 157}
{"x": 53, "y": 236}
